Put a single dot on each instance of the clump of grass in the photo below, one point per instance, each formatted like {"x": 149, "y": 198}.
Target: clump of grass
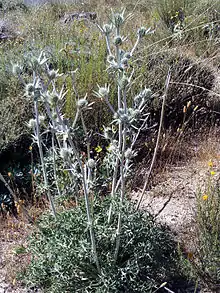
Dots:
{"x": 206, "y": 262}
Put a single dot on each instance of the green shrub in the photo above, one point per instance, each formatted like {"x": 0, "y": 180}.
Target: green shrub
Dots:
{"x": 61, "y": 252}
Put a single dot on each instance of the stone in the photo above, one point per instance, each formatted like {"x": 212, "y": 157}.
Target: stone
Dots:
{"x": 69, "y": 17}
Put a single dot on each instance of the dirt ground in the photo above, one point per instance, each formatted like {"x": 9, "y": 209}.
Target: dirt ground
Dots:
{"x": 173, "y": 200}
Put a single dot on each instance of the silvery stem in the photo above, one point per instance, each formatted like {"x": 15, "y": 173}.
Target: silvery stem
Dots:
{"x": 135, "y": 45}
{"x": 54, "y": 164}
{"x": 86, "y": 134}
{"x": 42, "y": 158}
{"x": 86, "y": 195}
{"x": 108, "y": 44}
{"x": 114, "y": 180}
{"x": 118, "y": 232}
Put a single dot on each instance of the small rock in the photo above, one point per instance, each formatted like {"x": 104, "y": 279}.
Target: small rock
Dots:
{"x": 69, "y": 17}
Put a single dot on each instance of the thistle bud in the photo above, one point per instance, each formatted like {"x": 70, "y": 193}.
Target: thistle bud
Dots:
{"x": 29, "y": 89}
{"x": 124, "y": 118}
{"x": 91, "y": 163}
{"x": 32, "y": 123}
{"x": 16, "y": 69}
{"x": 124, "y": 63}
{"x": 142, "y": 32}
{"x": 54, "y": 74}
{"x": 107, "y": 28}
{"x": 146, "y": 93}
{"x": 103, "y": 91}
{"x": 54, "y": 115}
{"x": 118, "y": 41}
{"x": 53, "y": 99}
{"x": 110, "y": 58}
{"x": 107, "y": 132}
{"x": 113, "y": 147}
{"x": 118, "y": 19}
{"x": 82, "y": 103}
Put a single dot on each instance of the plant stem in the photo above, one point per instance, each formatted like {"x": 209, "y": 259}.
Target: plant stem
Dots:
{"x": 86, "y": 194}
{"x": 54, "y": 163}
{"x": 157, "y": 142}
{"x": 118, "y": 232}
{"x": 42, "y": 158}
{"x": 117, "y": 161}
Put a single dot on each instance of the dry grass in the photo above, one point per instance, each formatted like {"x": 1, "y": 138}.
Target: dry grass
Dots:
{"x": 13, "y": 237}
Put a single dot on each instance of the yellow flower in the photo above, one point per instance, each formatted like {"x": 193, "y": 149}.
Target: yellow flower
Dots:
{"x": 98, "y": 149}
{"x": 205, "y": 197}
{"x": 9, "y": 174}
{"x": 30, "y": 148}
{"x": 212, "y": 173}
{"x": 210, "y": 163}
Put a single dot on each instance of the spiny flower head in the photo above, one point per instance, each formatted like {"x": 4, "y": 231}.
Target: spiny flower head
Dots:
{"x": 37, "y": 62}
{"x": 41, "y": 119}
{"x": 32, "y": 123}
{"x": 107, "y": 29}
{"x": 110, "y": 58}
{"x": 102, "y": 92}
{"x": 81, "y": 103}
{"x": 128, "y": 153}
{"x": 118, "y": 18}
{"x": 53, "y": 74}
{"x": 16, "y": 69}
{"x": 113, "y": 147}
{"x": 143, "y": 32}
{"x": 29, "y": 89}
{"x": 91, "y": 163}
{"x": 118, "y": 40}
{"x": 124, "y": 62}
{"x": 33, "y": 89}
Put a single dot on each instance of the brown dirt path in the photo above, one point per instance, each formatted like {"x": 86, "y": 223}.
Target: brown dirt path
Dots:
{"x": 174, "y": 199}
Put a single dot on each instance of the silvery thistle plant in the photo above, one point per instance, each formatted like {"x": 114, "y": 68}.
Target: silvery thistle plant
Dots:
{"x": 128, "y": 121}
{"x": 43, "y": 90}
{"x": 122, "y": 133}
